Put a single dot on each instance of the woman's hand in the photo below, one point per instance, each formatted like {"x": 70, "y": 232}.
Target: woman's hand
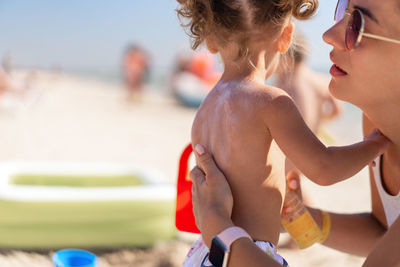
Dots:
{"x": 212, "y": 196}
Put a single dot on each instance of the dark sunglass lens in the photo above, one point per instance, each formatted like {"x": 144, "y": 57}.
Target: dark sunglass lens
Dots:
{"x": 353, "y": 30}
{"x": 357, "y": 21}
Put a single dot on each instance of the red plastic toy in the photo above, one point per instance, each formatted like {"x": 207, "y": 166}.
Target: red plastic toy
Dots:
{"x": 184, "y": 217}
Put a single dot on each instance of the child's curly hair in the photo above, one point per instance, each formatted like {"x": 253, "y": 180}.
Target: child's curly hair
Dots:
{"x": 230, "y": 20}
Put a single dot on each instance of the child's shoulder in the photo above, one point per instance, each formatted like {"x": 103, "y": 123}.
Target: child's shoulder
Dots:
{"x": 269, "y": 90}
{"x": 272, "y": 100}
{"x": 266, "y": 94}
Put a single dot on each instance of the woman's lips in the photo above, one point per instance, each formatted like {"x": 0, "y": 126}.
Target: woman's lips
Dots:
{"x": 335, "y": 71}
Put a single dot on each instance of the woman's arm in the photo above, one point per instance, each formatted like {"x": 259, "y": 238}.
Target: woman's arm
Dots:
{"x": 212, "y": 206}
{"x": 320, "y": 164}
{"x": 386, "y": 251}
{"x": 355, "y": 234}
{"x": 351, "y": 233}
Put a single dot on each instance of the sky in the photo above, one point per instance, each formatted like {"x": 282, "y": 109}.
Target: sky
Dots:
{"x": 92, "y": 34}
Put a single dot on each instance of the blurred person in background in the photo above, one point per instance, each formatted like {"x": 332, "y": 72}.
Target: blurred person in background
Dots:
{"x": 181, "y": 65}
{"x": 7, "y": 63}
{"x": 4, "y": 83}
{"x": 15, "y": 89}
{"x": 193, "y": 77}
{"x": 136, "y": 66}
{"x": 308, "y": 88}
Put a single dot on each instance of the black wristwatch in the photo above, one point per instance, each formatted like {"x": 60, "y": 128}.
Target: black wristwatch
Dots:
{"x": 219, "y": 253}
{"x": 221, "y": 243}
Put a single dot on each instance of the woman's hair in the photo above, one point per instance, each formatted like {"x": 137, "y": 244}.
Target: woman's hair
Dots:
{"x": 235, "y": 20}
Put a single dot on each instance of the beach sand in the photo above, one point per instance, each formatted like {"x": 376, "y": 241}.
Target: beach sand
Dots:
{"x": 68, "y": 118}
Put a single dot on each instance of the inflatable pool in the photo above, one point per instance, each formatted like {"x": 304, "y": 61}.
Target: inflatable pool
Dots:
{"x": 51, "y": 216}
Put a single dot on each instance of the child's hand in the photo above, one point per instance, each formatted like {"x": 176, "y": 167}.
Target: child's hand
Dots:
{"x": 378, "y": 138}
{"x": 292, "y": 184}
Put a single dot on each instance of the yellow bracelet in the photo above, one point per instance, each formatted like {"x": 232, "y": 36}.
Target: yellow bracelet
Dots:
{"x": 326, "y": 226}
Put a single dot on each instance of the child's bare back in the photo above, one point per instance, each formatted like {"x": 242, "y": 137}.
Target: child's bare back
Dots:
{"x": 231, "y": 124}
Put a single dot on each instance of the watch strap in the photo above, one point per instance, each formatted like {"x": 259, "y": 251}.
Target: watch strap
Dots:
{"x": 231, "y": 234}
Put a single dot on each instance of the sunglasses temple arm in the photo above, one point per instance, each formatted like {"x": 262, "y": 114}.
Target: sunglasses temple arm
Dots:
{"x": 373, "y": 36}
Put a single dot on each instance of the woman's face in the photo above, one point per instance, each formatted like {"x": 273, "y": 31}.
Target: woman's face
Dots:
{"x": 369, "y": 74}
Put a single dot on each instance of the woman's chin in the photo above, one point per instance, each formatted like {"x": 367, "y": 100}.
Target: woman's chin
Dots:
{"x": 345, "y": 92}
{"x": 336, "y": 90}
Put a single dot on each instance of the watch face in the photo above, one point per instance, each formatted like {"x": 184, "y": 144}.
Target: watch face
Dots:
{"x": 218, "y": 253}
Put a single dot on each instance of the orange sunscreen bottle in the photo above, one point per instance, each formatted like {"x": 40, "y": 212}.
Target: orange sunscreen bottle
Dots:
{"x": 298, "y": 222}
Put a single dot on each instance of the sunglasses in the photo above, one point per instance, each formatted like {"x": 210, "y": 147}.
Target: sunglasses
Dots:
{"x": 355, "y": 26}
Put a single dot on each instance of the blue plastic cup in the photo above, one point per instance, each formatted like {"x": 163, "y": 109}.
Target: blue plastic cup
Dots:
{"x": 74, "y": 258}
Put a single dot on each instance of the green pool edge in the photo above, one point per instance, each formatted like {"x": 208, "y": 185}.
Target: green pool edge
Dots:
{"x": 111, "y": 224}
{"x": 76, "y": 180}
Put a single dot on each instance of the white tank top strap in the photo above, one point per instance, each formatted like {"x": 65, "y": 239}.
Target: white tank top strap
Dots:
{"x": 391, "y": 204}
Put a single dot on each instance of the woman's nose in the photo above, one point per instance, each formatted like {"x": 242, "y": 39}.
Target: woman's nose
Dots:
{"x": 335, "y": 35}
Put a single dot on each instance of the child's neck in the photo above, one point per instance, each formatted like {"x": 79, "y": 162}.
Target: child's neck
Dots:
{"x": 257, "y": 71}
{"x": 236, "y": 74}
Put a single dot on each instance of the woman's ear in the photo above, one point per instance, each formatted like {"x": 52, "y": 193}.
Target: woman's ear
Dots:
{"x": 285, "y": 40}
{"x": 211, "y": 44}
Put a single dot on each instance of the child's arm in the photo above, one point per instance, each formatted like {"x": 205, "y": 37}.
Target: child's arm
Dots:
{"x": 320, "y": 164}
